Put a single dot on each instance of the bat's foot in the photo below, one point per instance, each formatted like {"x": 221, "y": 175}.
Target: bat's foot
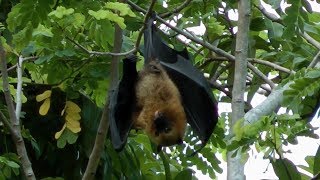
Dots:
{"x": 131, "y": 58}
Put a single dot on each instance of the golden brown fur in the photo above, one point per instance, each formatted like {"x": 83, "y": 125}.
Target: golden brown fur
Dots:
{"x": 157, "y": 94}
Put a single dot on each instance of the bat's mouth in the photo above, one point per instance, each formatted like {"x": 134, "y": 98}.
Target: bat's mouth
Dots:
{"x": 161, "y": 124}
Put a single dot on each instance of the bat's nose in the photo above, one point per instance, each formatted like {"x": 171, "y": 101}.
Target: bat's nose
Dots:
{"x": 180, "y": 141}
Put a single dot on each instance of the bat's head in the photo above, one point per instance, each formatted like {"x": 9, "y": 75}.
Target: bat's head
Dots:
{"x": 168, "y": 127}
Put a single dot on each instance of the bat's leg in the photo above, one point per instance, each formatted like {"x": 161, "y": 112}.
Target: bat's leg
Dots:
{"x": 129, "y": 67}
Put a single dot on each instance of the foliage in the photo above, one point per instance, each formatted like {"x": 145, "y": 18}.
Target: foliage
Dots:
{"x": 66, "y": 85}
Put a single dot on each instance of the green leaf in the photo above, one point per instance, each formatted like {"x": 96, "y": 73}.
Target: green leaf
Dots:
{"x": 97, "y": 32}
{"x": 105, "y": 14}
{"x": 257, "y": 24}
{"x": 13, "y": 164}
{"x": 61, "y": 11}
{"x": 2, "y": 177}
{"x": 28, "y": 11}
{"x": 43, "y": 59}
{"x": 238, "y": 129}
{"x": 288, "y": 117}
{"x": 6, "y": 171}
{"x": 313, "y": 74}
{"x": 65, "y": 52}
{"x": 41, "y": 30}
{"x": 70, "y": 136}
{"x": 186, "y": 174}
{"x": 57, "y": 71}
{"x": 316, "y": 166}
{"x": 30, "y": 49}
{"x": 79, "y": 20}
{"x": 61, "y": 142}
{"x": 123, "y": 8}
{"x": 286, "y": 170}
{"x": 23, "y": 37}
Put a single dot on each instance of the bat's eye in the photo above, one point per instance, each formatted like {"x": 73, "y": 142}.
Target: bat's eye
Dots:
{"x": 167, "y": 130}
{"x": 154, "y": 68}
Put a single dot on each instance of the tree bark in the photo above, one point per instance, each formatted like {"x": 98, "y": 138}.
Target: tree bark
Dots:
{"x": 15, "y": 121}
{"x": 235, "y": 168}
{"x": 104, "y": 123}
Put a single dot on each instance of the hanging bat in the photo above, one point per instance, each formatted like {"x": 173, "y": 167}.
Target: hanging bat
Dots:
{"x": 160, "y": 99}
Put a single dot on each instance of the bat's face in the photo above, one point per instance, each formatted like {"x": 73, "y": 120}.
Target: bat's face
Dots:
{"x": 168, "y": 127}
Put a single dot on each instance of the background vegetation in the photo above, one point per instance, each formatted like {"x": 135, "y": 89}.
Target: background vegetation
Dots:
{"x": 61, "y": 59}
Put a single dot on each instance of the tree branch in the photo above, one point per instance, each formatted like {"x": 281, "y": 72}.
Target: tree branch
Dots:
{"x": 7, "y": 124}
{"x": 97, "y": 53}
{"x": 235, "y": 168}
{"x": 146, "y": 17}
{"x": 19, "y": 87}
{"x": 176, "y": 10}
{"x": 258, "y": 61}
{"x": 31, "y": 58}
{"x": 273, "y": 65}
{"x": 17, "y": 137}
{"x": 104, "y": 123}
{"x": 315, "y": 61}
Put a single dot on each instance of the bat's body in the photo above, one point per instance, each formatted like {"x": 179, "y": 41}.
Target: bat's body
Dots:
{"x": 161, "y": 98}
{"x": 160, "y": 112}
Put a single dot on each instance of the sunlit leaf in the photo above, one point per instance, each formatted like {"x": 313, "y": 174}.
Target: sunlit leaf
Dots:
{"x": 46, "y": 94}
{"x": 58, "y": 134}
{"x": 61, "y": 11}
{"x": 72, "y": 107}
{"x": 123, "y": 8}
{"x": 44, "y": 108}
{"x": 105, "y": 14}
{"x": 73, "y": 117}
{"x": 42, "y": 31}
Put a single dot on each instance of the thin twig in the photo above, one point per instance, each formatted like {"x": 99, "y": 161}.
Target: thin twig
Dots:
{"x": 218, "y": 86}
{"x": 261, "y": 75}
{"x": 176, "y": 10}
{"x": 97, "y": 53}
{"x": 270, "y": 64}
{"x": 31, "y": 58}
{"x": 19, "y": 87}
{"x": 315, "y": 61}
{"x": 146, "y": 17}
{"x": 258, "y": 61}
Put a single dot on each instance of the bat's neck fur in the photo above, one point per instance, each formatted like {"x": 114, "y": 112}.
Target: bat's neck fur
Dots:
{"x": 157, "y": 93}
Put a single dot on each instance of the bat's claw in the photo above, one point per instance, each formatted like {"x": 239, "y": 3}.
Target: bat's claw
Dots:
{"x": 131, "y": 58}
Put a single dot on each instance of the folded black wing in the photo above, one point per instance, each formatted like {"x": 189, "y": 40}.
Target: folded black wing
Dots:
{"x": 122, "y": 104}
{"x": 198, "y": 101}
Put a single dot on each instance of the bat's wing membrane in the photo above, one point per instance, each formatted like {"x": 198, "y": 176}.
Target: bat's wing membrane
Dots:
{"x": 199, "y": 103}
{"x": 122, "y": 104}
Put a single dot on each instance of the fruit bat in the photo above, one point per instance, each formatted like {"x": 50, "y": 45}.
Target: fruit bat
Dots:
{"x": 168, "y": 92}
